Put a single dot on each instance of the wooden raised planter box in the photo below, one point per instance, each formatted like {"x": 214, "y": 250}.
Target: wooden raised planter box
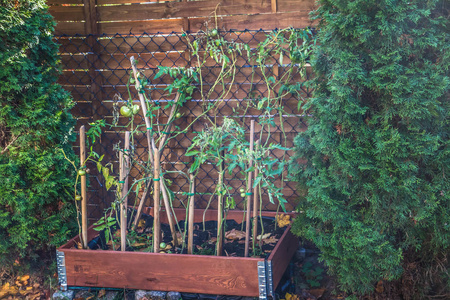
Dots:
{"x": 217, "y": 275}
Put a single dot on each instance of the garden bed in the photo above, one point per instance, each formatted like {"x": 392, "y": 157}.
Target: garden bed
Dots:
{"x": 222, "y": 275}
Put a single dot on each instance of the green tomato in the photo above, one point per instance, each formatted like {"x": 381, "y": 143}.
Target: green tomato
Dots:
{"x": 81, "y": 172}
{"x": 242, "y": 195}
{"x": 214, "y": 32}
{"x": 162, "y": 245}
{"x": 178, "y": 115}
{"x": 136, "y": 109}
{"x": 125, "y": 111}
{"x": 78, "y": 197}
{"x": 242, "y": 190}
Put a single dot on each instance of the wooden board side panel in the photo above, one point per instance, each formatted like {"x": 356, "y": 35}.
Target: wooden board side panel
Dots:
{"x": 163, "y": 272}
{"x": 282, "y": 254}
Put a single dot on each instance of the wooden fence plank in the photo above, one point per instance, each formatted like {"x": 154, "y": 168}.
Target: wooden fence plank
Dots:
{"x": 106, "y": 2}
{"x": 72, "y": 45}
{"x": 141, "y": 44}
{"x": 182, "y": 9}
{"x": 144, "y": 60}
{"x": 255, "y": 22}
{"x": 74, "y": 61}
{"x": 67, "y": 13}
{"x": 296, "y": 5}
{"x": 69, "y": 28}
{"x": 152, "y": 26}
{"x": 62, "y": 2}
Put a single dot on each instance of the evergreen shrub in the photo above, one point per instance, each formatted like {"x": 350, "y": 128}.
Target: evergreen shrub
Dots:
{"x": 375, "y": 158}
{"x": 36, "y": 184}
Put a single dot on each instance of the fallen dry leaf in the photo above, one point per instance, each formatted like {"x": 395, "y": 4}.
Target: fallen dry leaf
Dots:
{"x": 379, "y": 289}
{"x": 264, "y": 236}
{"x": 101, "y": 293}
{"x": 141, "y": 223}
{"x": 283, "y": 220}
{"x": 291, "y": 297}
{"x": 317, "y": 292}
{"x": 137, "y": 245}
{"x": 270, "y": 240}
{"x": 234, "y": 234}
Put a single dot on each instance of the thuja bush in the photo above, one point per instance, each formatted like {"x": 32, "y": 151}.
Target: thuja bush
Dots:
{"x": 375, "y": 157}
{"x": 35, "y": 184}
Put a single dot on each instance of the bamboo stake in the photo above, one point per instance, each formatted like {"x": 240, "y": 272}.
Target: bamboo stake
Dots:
{"x": 220, "y": 225}
{"x": 123, "y": 171}
{"x": 156, "y": 206}
{"x": 84, "y": 221}
{"x": 141, "y": 205}
{"x": 249, "y": 194}
{"x": 169, "y": 213}
{"x": 219, "y": 219}
{"x": 156, "y": 154}
{"x": 150, "y": 140}
{"x": 255, "y": 205}
{"x": 190, "y": 248}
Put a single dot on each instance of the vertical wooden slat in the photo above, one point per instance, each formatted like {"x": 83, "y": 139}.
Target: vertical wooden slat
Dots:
{"x": 273, "y": 4}
{"x": 249, "y": 192}
{"x": 84, "y": 222}
{"x": 96, "y": 80}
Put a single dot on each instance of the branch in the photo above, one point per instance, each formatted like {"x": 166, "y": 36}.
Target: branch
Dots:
{"x": 13, "y": 139}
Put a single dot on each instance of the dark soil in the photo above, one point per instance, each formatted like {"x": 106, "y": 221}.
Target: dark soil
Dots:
{"x": 205, "y": 237}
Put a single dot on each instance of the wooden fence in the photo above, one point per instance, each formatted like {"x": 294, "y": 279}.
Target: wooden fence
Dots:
{"x": 98, "y": 37}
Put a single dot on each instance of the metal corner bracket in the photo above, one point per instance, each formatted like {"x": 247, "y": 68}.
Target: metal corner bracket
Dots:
{"x": 265, "y": 279}
{"x": 62, "y": 275}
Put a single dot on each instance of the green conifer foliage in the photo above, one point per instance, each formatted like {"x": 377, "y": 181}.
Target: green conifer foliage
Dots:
{"x": 36, "y": 182}
{"x": 377, "y": 145}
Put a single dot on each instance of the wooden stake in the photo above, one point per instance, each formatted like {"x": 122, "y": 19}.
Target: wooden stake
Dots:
{"x": 124, "y": 168}
{"x": 219, "y": 219}
{"x": 156, "y": 206}
{"x": 191, "y": 208}
{"x": 155, "y": 153}
{"x": 169, "y": 213}
{"x": 84, "y": 221}
{"x": 151, "y": 142}
{"x": 255, "y": 206}
{"x": 249, "y": 194}
{"x": 220, "y": 225}
{"x": 141, "y": 205}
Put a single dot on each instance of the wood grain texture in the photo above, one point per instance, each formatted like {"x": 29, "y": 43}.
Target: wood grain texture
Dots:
{"x": 175, "y": 9}
{"x": 103, "y": 2}
{"x": 69, "y": 28}
{"x": 163, "y": 272}
{"x": 62, "y": 2}
{"x": 255, "y": 22}
{"x": 67, "y": 13}
{"x": 136, "y": 27}
{"x": 166, "y": 272}
{"x": 282, "y": 254}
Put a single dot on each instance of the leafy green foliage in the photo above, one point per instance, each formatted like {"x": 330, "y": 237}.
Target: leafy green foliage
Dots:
{"x": 36, "y": 203}
{"x": 377, "y": 144}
